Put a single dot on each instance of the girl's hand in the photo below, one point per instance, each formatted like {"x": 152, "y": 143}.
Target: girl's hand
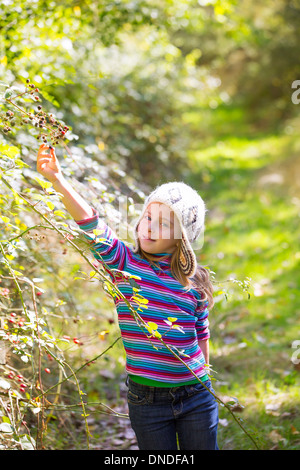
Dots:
{"x": 48, "y": 165}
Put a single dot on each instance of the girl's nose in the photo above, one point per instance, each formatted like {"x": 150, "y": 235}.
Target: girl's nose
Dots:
{"x": 153, "y": 230}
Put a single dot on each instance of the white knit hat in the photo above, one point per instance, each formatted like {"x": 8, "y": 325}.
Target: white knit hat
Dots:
{"x": 190, "y": 210}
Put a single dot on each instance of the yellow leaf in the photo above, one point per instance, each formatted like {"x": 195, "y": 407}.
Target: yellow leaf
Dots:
{"x": 152, "y": 325}
{"x": 44, "y": 184}
{"x": 140, "y": 300}
{"x": 98, "y": 232}
{"x": 50, "y": 205}
{"x": 18, "y": 199}
{"x": 102, "y": 334}
{"x": 77, "y": 10}
{"x": 294, "y": 430}
{"x": 172, "y": 319}
{"x": 60, "y": 214}
{"x": 157, "y": 334}
{"x": 5, "y": 219}
{"x": 17, "y": 273}
{"x": 275, "y": 436}
{"x": 3, "y": 61}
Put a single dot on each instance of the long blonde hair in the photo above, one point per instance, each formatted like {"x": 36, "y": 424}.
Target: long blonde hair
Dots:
{"x": 200, "y": 281}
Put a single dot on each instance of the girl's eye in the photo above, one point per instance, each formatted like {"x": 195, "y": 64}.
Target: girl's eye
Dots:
{"x": 162, "y": 223}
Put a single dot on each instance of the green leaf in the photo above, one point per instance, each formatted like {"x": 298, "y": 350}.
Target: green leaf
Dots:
{"x": 178, "y": 327}
{"x": 9, "y": 150}
{"x": 8, "y": 93}
{"x": 44, "y": 184}
{"x": 134, "y": 285}
{"x": 7, "y": 428}
{"x": 4, "y": 384}
{"x": 27, "y": 442}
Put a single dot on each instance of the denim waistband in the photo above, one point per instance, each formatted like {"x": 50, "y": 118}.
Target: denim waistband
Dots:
{"x": 161, "y": 391}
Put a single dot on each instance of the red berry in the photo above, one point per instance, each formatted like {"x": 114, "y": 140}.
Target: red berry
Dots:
{"x": 48, "y": 371}
{"x": 76, "y": 340}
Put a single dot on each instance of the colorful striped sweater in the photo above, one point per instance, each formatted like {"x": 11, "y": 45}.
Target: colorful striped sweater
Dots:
{"x": 149, "y": 358}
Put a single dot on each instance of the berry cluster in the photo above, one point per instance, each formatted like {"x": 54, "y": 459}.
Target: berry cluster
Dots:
{"x": 14, "y": 320}
{"x": 50, "y": 128}
{"x": 18, "y": 378}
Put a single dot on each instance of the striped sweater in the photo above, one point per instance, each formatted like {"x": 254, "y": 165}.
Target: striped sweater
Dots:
{"x": 147, "y": 357}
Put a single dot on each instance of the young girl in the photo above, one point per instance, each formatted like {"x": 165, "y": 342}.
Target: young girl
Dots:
{"x": 169, "y": 408}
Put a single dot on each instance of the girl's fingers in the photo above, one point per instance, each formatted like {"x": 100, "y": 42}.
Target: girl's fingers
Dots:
{"x": 44, "y": 147}
{"x": 43, "y": 156}
{"x": 43, "y": 160}
{"x": 52, "y": 154}
{"x": 42, "y": 164}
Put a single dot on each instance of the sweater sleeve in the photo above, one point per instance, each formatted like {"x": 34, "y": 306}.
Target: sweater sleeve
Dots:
{"x": 202, "y": 323}
{"x": 105, "y": 246}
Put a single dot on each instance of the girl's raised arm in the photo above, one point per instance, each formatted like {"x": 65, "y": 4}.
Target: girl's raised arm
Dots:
{"x": 49, "y": 167}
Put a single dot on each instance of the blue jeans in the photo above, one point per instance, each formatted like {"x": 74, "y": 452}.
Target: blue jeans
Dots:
{"x": 184, "y": 418}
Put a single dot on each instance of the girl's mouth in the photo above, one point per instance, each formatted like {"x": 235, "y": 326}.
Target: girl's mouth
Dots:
{"x": 148, "y": 239}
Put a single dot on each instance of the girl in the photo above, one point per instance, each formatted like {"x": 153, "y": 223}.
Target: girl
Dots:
{"x": 168, "y": 406}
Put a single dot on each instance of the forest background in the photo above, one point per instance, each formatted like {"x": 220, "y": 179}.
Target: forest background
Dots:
{"x": 204, "y": 92}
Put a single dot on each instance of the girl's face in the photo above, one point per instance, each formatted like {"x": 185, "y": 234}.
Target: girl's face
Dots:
{"x": 159, "y": 230}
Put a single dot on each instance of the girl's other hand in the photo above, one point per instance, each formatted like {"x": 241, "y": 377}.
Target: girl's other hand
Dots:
{"x": 47, "y": 164}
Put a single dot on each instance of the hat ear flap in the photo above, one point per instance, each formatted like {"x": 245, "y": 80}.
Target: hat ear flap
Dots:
{"x": 187, "y": 259}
